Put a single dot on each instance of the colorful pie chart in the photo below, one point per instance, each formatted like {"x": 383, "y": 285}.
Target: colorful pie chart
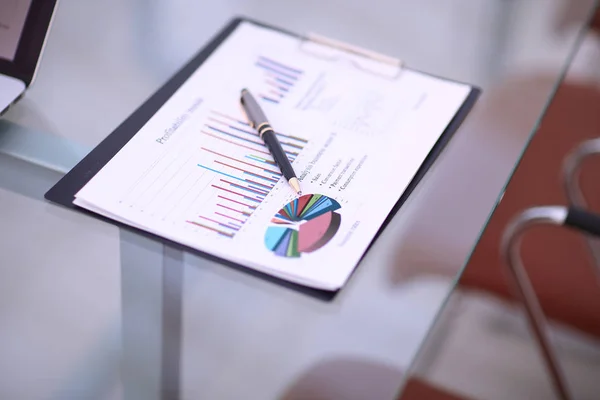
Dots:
{"x": 303, "y": 225}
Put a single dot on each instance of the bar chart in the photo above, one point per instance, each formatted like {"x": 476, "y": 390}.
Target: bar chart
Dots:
{"x": 211, "y": 178}
{"x": 279, "y": 79}
{"x": 240, "y": 169}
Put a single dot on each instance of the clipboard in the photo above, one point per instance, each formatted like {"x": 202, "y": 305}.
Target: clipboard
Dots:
{"x": 63, "y": 192}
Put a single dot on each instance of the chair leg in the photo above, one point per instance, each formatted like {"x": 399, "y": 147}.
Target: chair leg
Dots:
{"x": 517, "y": 273}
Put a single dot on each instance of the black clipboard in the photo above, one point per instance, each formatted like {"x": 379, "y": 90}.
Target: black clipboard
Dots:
{"x": 63, "y": 192}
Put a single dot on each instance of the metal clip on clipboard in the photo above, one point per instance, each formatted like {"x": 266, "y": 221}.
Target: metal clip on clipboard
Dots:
{"x": 363, "y": 59}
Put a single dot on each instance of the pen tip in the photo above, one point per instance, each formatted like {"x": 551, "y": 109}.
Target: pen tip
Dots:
{"x": 244, "y": 91}
{"x": 295, "y": 184}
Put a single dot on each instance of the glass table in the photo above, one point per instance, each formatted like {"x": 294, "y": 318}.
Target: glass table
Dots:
{"x": 91, "y": 311}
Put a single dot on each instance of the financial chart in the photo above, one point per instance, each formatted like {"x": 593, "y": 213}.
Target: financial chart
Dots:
{"x": 278, "y": 79}
{"x": 213, "y": 181}
{"x": 303, "y": 225}
{"x": 197, "y": 174}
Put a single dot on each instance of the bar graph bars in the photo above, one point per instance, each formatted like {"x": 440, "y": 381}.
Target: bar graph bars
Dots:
{"x": 241, "y": 169}
{"x": 279, "y": 79}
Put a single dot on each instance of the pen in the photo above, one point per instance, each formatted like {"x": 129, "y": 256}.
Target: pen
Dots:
{"x": 258, "y": 121}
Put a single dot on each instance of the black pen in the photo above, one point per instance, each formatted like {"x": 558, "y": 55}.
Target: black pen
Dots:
{"x": 258, "y": 121}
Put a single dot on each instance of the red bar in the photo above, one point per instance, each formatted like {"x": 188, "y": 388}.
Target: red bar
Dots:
{"x": 237, "y": 202}
{"x": 237, "y": 144}
{"x": 233, "y": 209}
{"x": 229, "y": 117}
{"x": 280, "y": 65}
{"x": 240, "y": 161}
{"x": 277, "y": 85}
{"x": 275, "y": 92}
{"x": 210, "y": 228}
{"x": 227, "y": 216}
{"x": 247, "y": 188}
{"x": 257, "y": 183}
{"x": 230, "y": 191}
{"x": 254, "y": 132}
{"x": 211, "y": 220}
{"x": 231, "y": 158}
{"x": 251, "y": 173}
{"x": 231, "y": 166}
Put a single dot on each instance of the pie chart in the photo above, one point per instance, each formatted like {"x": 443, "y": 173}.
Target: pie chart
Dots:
{"x": 303, "y": 225}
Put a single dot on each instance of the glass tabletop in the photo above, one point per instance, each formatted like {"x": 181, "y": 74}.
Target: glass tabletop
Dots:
{"x": 94, "y": 312}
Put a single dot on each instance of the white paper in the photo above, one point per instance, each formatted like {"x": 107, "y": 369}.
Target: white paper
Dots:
{"x": 196, "y": 174}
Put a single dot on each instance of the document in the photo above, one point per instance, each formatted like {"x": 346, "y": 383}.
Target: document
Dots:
{"x": 198, "y": 174}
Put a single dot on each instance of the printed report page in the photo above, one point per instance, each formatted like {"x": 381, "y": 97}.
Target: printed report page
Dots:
{"x": 198, "y": 174}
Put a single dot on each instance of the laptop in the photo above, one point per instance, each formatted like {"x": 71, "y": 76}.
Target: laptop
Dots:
{"x": 24, "y": 25}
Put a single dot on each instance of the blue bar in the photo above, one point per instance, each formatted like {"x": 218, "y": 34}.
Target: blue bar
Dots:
{"x": 265, "y": 186}
{"x": 233, "y": 136}
{"x": 268, "y": 60}
{"x": 270, "y": 172}
{"x": 284, "y": 81}
{"x": 275, "y": 71}
{"x": 257, "y": 188}
{"x": 256, "y": 134}
{"x": 282, "y": 88}
{"x": 257, "y": 159}
{"x": 261, "y": 177}
{"x": 243, "y": 130}
{"x": 223, "y": 225}
{"x": 269, "y": 99}
{"x": 244, "y": 188}
{"x": 222, "y": 173}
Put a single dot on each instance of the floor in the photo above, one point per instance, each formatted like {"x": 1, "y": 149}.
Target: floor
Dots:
{"x": 483, "y": 350}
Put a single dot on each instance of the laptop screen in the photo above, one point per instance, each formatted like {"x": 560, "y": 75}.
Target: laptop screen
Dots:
{"x": 23, "y": 28}
{"x": 13, "y": 14}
